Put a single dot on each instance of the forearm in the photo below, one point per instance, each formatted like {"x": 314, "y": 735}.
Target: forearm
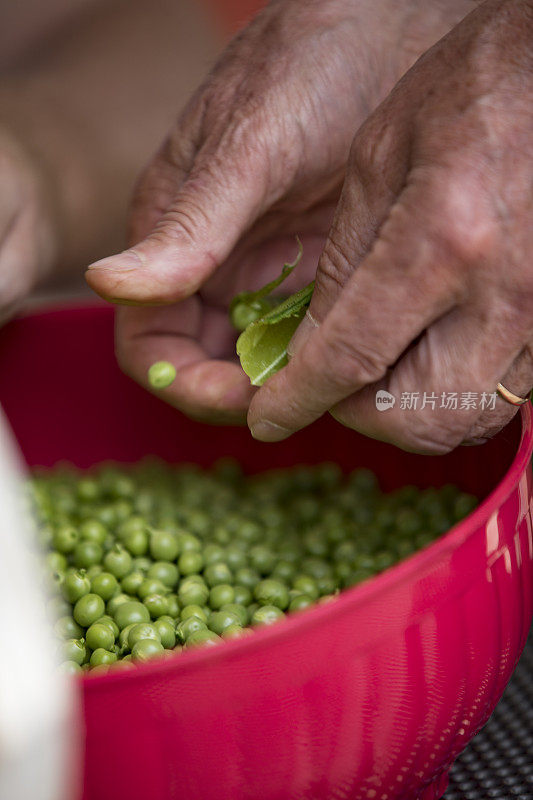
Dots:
{"x": 94, "y": 103}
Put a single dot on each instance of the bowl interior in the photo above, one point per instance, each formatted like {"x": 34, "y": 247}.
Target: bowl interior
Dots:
{"x": 67, "y": 400}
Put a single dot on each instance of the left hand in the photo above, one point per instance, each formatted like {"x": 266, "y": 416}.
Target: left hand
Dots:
{"x": 443, "y": 300}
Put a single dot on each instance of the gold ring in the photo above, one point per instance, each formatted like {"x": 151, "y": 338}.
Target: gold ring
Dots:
{"x": 514, "y": 399}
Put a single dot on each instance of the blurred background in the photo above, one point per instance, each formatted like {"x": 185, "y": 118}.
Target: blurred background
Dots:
{"x": 62, "y": 51}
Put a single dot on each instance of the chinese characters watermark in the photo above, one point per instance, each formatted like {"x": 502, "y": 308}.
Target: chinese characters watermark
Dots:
{"x": 450, "y": 401}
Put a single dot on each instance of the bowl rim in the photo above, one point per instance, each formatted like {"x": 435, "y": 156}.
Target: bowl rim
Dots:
{"x": 347, "y": 599}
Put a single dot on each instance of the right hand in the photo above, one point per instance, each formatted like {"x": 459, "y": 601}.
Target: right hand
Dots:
{"x": 28, "y": 232}
{"x": 258, "y": 156}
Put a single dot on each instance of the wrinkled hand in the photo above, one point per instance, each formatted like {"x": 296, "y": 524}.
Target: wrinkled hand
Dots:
{"x": 258, "y": 156}
{"x": 442, "y": 300}
{"x": 27, "y": 227}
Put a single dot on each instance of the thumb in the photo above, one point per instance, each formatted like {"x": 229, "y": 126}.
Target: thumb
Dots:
{"x": 196, "y": 227}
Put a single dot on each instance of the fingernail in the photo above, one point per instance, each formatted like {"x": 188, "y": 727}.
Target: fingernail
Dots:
{"x": 266, "y": 431}
{"x": 128, "y": 260}
{"x": 303, "y": 331}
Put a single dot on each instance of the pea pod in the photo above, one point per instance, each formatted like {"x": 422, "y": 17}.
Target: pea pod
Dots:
{"x": 262, "y": 346}
{"x": 247, "y": 307}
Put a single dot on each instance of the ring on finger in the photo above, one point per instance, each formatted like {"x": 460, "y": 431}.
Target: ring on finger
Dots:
{"x": 510, "y": 397}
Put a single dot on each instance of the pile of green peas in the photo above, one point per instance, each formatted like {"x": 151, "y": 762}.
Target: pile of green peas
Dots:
{"x": 148, "y": 560}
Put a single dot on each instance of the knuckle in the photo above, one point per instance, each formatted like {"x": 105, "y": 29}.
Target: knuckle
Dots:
{"x": 335, "y": 265}
{"x": 372, "y": 147}
{"x": 351, "y": 364}
{"x": 464, "y": 225}
{"x": 185, "y": 221}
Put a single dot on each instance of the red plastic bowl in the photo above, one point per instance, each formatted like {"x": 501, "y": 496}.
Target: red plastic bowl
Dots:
{"x": 371, "y": 696}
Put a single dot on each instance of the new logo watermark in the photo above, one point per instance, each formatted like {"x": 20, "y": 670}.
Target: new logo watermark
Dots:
{"x": 451, "y": 401}
{"x": 384, "y": 400}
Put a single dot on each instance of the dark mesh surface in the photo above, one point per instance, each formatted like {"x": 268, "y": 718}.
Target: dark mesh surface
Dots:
{"x": 498, "y": 764}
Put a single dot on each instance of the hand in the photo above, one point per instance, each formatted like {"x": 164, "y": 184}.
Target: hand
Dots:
{"x": 442, "y": 298}
{"x": 258, "y": 156}
{"x": 27, "y": 225}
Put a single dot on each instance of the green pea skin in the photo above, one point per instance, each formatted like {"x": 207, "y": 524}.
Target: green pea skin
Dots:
{"x": 66, "y": 627}
{"x": 239, "y": 610}
{"x": 102, "y": 657}
{"x": 163, "y": 546}
{"x": 193, "y": 594}
{"x": 146, "y": 649}
{"x": 266, "y": 615}
{"x": 272, "y": 592}
{"x": 247, "y": 577}
{"x": 123, "y": 637}
{"x": 65, "y": 538}
{"x": 221, "y": 595}
{"x": 95, "y": 570}
{"x": 151, "y": 586}
{"x": 75, "y": 585}
{"x": 136, "y": 543}
{"x": 218, "y": 573}
{"x": 242, "y": 595}
{"x": 123, "y": 665}
{"x": 117, "y": 601}
{"x": 73, "y": 650}
{"x": 99, "y": 635}
{"x": 93, "y": 531}
{"x": 88, "y": 609}
{"x": 164, "y": 571}
{"x": 142, "y": 630}
{"x": 173, "y": 605}
{"x": 262, "y": 559}
{"x": 235, "y": 558}
{"x": 190, "y": 563}
{"x": 161, "y": 375}
{"x": 220, "y": 620}
{"x": 326, "y": 585}
{"x": 106, "y": 585}
{"x": 284, "y": 571}
{"x": 131, "y": 583}
{"x": 86, "y": 554}
{"x": 213, "y": 554}
{"x": 189, "y": 626}
{"x": 167, "y": 633}
{"x": 304, "y": 584}
{"x": 235, "y": 632}
{"x": 132, "y": 611}
{"x": 118, "y": 562}
{"x": 300, "y": 602}
{"x": 202, "y": 638}
{"x": 88, "y": 490}
{"x": 188, "y": 543}
{"x": 142, "y": 563}
{"x": 193, "y": 611}
{"x": 131, "y": 525}
{"x": 70, "y": 668}
{"x": 156, "y": 604}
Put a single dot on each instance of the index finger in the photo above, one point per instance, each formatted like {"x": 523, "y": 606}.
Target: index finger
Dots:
{"x": 206, "y": 387}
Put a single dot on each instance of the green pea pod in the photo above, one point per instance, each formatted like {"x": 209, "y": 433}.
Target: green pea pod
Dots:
{"x": 262, "y": 346}
{"x": 246, "y": 307}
